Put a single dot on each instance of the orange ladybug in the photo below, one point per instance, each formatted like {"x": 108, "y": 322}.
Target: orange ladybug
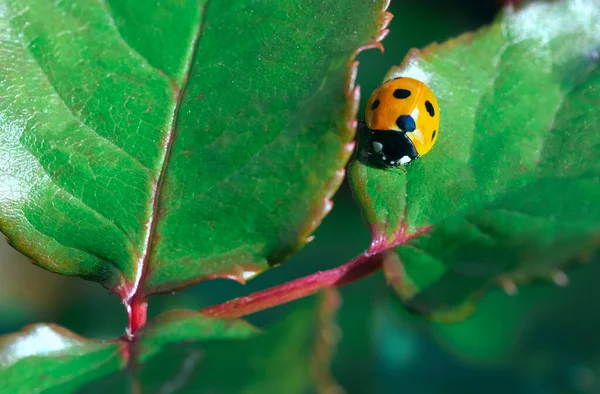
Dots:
{"x": 403, "y": 117}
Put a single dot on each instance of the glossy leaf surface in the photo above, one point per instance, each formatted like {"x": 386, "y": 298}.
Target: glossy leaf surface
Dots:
{"x": 182, "y": 351}
{"x": 50, "y": 359}
{"x": 150, "y": 145}
{"x": 507, "y": 194}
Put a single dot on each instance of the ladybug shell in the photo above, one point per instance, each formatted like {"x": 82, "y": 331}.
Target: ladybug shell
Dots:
{"x": 405, "y": 105}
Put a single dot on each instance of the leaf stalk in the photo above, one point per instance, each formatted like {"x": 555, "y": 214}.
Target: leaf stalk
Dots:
{"x": 352, "y": 271}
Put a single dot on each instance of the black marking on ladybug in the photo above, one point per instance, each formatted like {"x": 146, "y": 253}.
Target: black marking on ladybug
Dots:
{"x": 433, "y": 135}
{"x": 429, "y": 108}
{"x": 401, "y": 93}
{"x": 375, "y": 104}
{"x": 391, "y": 148}
{"x": 406, "y": 123}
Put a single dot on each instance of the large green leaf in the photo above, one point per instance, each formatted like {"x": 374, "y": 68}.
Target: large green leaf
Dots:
{"x": 148, "y": 145}
{"x": 508, "y": 193}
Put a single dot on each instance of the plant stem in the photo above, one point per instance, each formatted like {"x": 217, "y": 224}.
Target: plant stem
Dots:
{"x": 136, "y": 311}
{"x": 352, "y": 271}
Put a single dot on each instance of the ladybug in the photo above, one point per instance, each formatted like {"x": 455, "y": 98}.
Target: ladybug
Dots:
{"x": 403, "y": 117}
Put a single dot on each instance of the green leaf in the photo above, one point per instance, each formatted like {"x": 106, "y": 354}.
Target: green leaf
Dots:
{"x": 540, "y": 318}
{"x": 181, "y": 350}
{"x": 45, "y": 358}
{"x": 150, "y": 145}
{"x": 291, "y": 357}
{"x": 541, "y": 333}
{"x": 185, "y": 325}
{"x": 186, "y": 352}
{"x": 50, "y": 359}
{"x": 507, "y": 194}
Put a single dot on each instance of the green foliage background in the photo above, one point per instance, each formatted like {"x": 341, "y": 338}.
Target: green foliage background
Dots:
{"x": 543, "y": 340}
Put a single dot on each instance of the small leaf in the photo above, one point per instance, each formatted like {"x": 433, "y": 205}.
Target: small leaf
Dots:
{"x": 183, "y": 326}
{"x": 50, "y": 359}
{"x": 186, "y": 352}
{"x": 148, "y": 146}
{"x": 507, "y": 193}
{"x": 296, "y": 348}
{"x": 510, "y": 332}
{"x": 179, "y": 350}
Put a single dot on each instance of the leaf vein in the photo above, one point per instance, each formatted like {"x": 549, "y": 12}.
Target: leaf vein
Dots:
{"x": 79, "y": 372}
{"x": 79, "y": 122}
{"x": 52, "y": 178}
{"x": 166, "y": 149}
{"x": 91, "y": 253}
{"x": 114, "y": 26}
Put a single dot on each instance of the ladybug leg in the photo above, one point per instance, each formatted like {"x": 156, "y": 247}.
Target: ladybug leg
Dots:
{"x": 399, "y": 168}
{"x": 362, "y": 127}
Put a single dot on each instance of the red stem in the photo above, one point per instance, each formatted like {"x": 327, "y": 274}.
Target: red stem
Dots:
{"x": 356, "y": 269}
{"x": 137, "y": 311}
{"x": 137, "y": 308}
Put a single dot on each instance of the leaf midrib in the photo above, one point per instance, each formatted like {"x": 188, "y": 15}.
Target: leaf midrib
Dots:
{"x": 142, "y": 262}
{"x": 142, "y": 255}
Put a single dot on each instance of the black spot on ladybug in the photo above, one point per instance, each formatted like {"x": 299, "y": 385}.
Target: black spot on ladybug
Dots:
{"x": 429, "y": 108}
{"x": 374, "y": 105}
{"x": 433, "y": 135}
{"x": 406, "y": 123}
{"x": 401, "y": 93}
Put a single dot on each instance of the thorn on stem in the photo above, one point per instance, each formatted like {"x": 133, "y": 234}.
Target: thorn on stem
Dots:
{"x": 509, "y": 287}
{"x": 560, "y": 278}
{"x": 129, "y": 335}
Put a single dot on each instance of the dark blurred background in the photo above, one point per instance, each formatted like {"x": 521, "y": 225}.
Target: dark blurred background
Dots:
{"x": 543, "y": 340}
